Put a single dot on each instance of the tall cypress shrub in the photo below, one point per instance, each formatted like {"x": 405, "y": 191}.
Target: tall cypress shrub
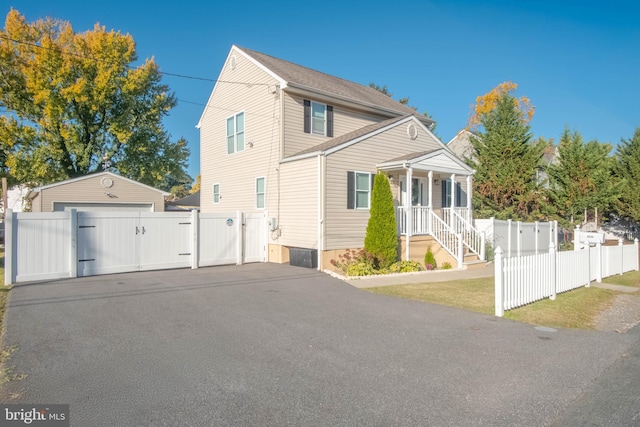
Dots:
{"x": 381, "y": 239}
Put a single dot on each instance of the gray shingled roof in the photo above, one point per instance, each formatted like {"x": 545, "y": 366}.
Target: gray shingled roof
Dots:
{"x": 297, "y": 75}
{"x": 350, "y": 136}
{"x": 190, "y": 200}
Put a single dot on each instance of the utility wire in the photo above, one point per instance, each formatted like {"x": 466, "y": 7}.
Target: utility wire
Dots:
{"x": 77, "y": 55}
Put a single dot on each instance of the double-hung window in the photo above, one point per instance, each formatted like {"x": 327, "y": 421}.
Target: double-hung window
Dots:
{"x": 216, "y": 193}
{"x": 235, "y": 133}
{"x": 318, "y": 118}
{"x": 260, "y": 192}
{"x": 359, "y": 186}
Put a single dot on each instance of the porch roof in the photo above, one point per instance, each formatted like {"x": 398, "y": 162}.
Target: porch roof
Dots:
{"x": 441, "y": 160}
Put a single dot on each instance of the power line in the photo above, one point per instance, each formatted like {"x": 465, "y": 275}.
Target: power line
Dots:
{"x": 166, "y": 73}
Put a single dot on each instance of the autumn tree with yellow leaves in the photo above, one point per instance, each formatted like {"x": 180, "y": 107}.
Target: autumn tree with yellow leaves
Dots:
{"x": 489, "y": 102}
{"x": 71, "y": 99}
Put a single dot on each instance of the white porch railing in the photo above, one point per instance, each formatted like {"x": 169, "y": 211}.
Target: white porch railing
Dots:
{"x": 472, "y": 238}
{"x": 464, "y": 213}
{"x": 444, "y": 235}
{"x": 419, "y": 220}
{"x": 425, "y": 222}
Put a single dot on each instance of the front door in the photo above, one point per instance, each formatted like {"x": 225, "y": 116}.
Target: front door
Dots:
{"x": 418, "y": 191}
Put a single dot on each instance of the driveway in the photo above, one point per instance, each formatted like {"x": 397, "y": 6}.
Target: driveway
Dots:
{"x": 267, "y": 344}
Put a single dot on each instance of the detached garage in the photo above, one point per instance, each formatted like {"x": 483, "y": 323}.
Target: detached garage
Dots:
{"x": 103, "y": 191}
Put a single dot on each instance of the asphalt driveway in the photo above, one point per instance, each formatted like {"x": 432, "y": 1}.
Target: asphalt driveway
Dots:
{"x": 267, "y": 344}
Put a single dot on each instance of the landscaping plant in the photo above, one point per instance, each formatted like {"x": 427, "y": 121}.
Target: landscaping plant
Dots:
{"x": 381, "y": 238}
{"x": 430, "y": 260}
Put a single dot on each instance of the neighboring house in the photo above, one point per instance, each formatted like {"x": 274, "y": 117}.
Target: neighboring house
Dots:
{"x": 461, "y": 145}
{"x": 187, "y": 203}
{"x": 103, "y": 191}
{"x": 17, "y": 198}
{"x": 303, "y": 146}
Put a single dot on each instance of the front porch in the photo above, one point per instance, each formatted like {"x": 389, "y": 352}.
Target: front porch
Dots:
{"x": 415, "y": 180}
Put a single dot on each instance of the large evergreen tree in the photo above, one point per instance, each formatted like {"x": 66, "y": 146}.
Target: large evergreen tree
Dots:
{"x": 68, "y": 99}
{"x": 506, "y": 160}
{"x": 627, "y": 168}
{"x": 582, "y": 178}
{"x": 381, "y": 238}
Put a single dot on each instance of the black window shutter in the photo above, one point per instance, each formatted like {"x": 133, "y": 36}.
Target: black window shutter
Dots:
{"x": 351, "y": 190}
{"x": 458, "y": 195}
{"x": 329, "y": 121}
{"x": 444, "y": 193}
{"x": 373, "y": 178}
{"x": 307, "y": 116}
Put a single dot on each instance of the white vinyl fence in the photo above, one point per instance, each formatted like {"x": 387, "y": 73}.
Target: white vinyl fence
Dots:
{"x": 519, "y": 238}
{"x": 44, "y": 246}
{"x": 524, "y": 279}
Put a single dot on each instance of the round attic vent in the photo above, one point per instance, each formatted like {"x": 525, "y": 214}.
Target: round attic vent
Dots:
{"x": 412, "y": 131}
{"x": 233, "y": 62}
{"x": 106, "y": 182}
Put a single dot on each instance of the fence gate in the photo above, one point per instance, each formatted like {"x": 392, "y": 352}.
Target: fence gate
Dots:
{"x": 43, "y": 246}
{"x": 117, "y": 242}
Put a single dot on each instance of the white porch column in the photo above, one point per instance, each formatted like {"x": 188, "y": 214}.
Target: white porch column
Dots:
{"x": 453, "y": 198}
{"x": 469, "y": 196}
{"x": 430, "y": 203}
{"x": 409, "y": 206}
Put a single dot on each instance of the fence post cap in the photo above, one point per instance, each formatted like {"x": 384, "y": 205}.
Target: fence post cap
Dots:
{"x": 635, "y": 240}
{"x": 498, "y": 250}
{"x": 552, "y": 245}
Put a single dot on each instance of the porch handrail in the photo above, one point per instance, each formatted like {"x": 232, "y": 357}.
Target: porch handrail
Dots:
{"x": 471, "y": 237}
{"x": 445, "y": 235}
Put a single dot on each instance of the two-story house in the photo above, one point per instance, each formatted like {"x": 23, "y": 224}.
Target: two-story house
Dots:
{"x": 304, "y": 146}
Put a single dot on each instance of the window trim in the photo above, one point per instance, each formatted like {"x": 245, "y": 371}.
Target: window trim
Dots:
{"x": 216, "y": 193}
{"x": 324, "y": 119}
{"x": 308, "y": 118}
{"x": 264, "y": 192}
{"x": 235, "y": 131}
{"x": 353, "y": 192}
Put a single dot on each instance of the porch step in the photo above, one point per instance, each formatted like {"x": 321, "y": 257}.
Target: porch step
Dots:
{"x": 474, "y": 264}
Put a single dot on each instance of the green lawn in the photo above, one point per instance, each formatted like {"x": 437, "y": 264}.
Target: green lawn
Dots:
{"x": 575, "y": 309}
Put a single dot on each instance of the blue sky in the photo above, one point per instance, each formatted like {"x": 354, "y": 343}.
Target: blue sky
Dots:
{"x": 578, "y": 61}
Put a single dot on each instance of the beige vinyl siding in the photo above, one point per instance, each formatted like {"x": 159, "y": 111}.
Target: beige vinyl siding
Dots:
{"x": 345, "y": 120}
{"x": 90, "y": 190}
{"x": 299, "y": 204}
{"x": 236, "y": 173}
{"x": 345, "y": 228}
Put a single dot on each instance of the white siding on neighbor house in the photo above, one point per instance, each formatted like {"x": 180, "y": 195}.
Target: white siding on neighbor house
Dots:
{"x": 345, "y": 228}
{"x": 298, "y": 218}
{"x": 345, "y": 120}
{"x": 90, "y": 191}
{"x": 236, "y": 173}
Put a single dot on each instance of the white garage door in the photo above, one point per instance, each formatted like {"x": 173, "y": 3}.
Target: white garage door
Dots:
{"x": 92, "y": 207}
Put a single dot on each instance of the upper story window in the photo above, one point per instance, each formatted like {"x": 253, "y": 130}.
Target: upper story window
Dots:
{"x": 318, "y": 122}
{"x": 235, "y": 133}
{"x": 318, "y": 118}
